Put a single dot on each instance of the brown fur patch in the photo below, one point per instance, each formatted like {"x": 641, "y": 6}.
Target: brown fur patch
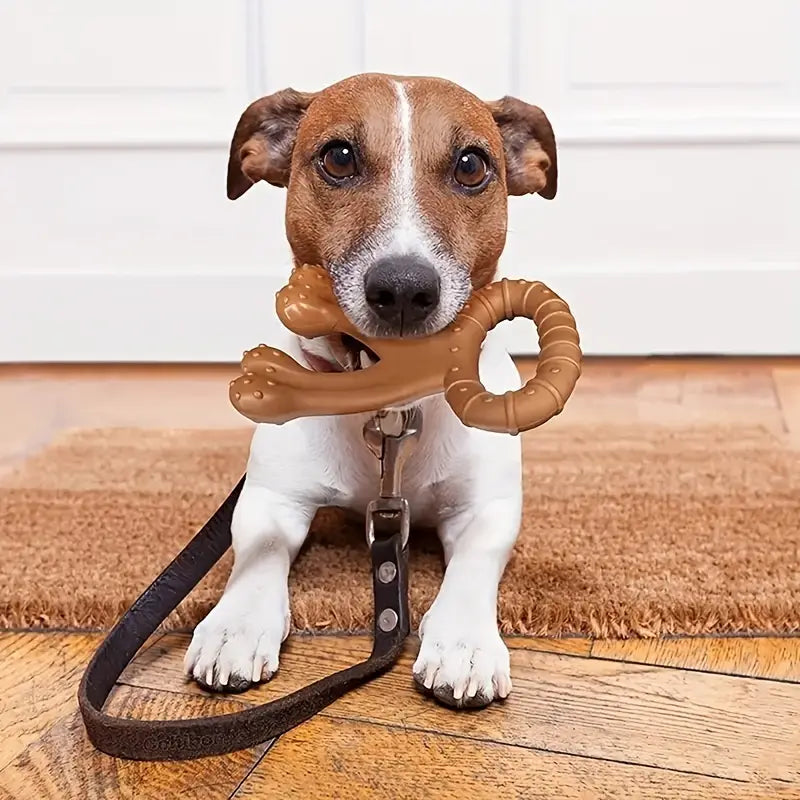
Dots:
{"x": 323, "y": 222}
{"x": 447, "y": 119}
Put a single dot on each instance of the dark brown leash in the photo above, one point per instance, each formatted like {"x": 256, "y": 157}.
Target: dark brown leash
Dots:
{"x": 167, "y": 740}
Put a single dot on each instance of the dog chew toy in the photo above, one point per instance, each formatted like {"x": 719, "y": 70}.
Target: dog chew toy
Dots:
{"x": 275, "y": 388}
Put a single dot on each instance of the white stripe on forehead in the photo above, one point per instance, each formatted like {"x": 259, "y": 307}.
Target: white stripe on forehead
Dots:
{"x": 407, "y": 230}
{"x": 402, "y": 228}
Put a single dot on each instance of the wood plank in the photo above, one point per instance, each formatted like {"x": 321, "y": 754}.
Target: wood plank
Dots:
{"x": 163, "y": 658}
{"x": 63, "y": 764}
{"x": 621, "y": 378}
{"x": 349, "y": 760}
{"x": 572, "y": 645}
{"x": 737, "y": 728}
{"x": 39, "y": 676}
{"x": 787, "y": 389}
{"x": 28, "y": 423}
{"x": 302, "y": 661}
{"x": 727, "y": 391}
{"x": 132, "y": 371}
{"x": 763, "y": 657}
{"x": 48, "y": 398}
{"x": 749, "y": 385}
{"x": 678, "y": 392}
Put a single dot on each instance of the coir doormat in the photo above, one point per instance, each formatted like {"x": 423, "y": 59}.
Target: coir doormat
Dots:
{"x": 627, "y": 531}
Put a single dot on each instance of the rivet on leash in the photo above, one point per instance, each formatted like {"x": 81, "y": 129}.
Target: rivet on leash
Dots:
{"x": 387, "y": 621}
{"x": 387, "y": 572}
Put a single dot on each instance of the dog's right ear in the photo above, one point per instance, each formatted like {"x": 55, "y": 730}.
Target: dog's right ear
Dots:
{"x": 262, "y": 144}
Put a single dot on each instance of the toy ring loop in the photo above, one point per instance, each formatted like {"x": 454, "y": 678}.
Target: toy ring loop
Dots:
{"x": 557, "y": 370}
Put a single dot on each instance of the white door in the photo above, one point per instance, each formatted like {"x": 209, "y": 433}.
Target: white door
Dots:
{"x": 675, "y": 229}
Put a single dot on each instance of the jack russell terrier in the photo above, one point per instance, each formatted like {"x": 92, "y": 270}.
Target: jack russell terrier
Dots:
{"x": 398, "y": 187}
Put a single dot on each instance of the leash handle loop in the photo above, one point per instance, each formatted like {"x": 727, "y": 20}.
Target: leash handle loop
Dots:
{"x": 167, "y": 740}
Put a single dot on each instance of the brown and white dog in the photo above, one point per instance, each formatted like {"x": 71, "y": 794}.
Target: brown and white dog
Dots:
{"x": 398, "y": 187}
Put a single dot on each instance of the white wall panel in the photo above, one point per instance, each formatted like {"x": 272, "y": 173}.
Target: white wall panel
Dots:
{"x": 309, "y": 45}
{"x": 468, "y": 42}
{"x": 625, "y": 70}
{"x": 134, "y": 211}
{"x": 97, "y": 72}
{"x": 679, "y": 46}
{"x": 678, "y": 125}
{"x": 660, "y": 207}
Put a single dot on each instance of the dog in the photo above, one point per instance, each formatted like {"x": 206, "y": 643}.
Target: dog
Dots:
{"x": 398, "y": 187}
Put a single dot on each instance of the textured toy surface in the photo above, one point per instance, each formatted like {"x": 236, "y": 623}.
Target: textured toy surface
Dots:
{"x": 275, "y": 388}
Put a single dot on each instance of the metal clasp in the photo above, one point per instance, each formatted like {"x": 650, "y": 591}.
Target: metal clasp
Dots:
{"x": 392, "y": 437}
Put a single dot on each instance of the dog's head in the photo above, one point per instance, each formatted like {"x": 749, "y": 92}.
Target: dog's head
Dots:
{"x": 398, "y": 187}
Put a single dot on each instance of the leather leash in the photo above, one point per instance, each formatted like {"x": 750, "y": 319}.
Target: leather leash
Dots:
{"x": 167, "y": 740}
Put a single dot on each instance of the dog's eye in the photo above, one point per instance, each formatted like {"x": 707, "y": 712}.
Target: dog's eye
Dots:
{"x": 471, "y": 168}
{"x": 338, "y": 160}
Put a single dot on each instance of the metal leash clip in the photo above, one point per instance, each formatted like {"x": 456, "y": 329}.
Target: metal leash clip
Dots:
{"x": 391, "y": 436}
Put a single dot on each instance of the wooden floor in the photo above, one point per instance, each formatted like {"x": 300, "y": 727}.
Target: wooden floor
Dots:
{"x": 684, "y": 718}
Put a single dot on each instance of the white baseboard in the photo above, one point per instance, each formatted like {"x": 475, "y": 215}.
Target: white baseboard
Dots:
{"x": 197, "y": 318}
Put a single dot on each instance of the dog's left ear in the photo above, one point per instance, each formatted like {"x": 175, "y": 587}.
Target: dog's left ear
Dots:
{"x": 530, "y": 147}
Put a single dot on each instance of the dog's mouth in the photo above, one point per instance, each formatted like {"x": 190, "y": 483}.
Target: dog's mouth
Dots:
{"x": 355, "y": 355}
{"x": 340, "y": 353}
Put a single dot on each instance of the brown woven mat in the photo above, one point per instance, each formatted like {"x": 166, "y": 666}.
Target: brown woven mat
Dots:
{"x": 627, "y": 531}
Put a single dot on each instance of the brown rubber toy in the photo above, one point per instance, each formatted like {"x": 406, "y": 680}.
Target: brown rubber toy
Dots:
{"x": 275, "y": 388}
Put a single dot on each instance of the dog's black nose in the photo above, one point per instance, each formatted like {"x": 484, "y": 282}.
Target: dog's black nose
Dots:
{"x": 402, "y": 290}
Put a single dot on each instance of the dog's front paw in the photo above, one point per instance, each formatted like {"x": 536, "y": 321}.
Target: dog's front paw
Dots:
{"x": 234, "y": 647}
{"x": 463, "y": 664}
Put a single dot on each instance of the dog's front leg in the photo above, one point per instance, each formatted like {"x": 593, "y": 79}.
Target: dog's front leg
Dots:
{"x": 238, "y": 643}
{"x": 462, "y": 658}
